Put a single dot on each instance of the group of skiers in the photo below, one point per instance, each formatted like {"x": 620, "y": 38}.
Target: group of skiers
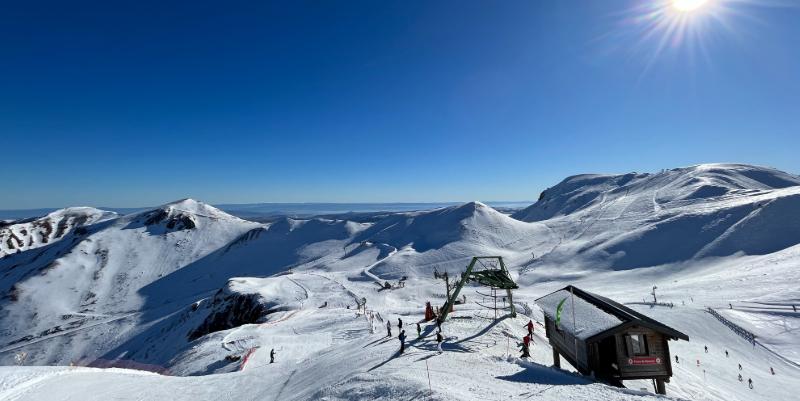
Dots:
{"x": 526, "y": 341}
{"x": 402, "y": 335}
{"x": 727, "y": 355}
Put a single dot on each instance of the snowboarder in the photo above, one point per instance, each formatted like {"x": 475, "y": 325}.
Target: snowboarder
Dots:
{"x": 439, "y": 340}
{"x": 530, "y": 327}
{"x": 750, "y": 382}
{"x": 272, "y": 356}
{"x": 419, "y": 330}
{"x": 706, "y": 348}
{"x": 676, "y": 359}
{"x": 399, "y": 324}
{"x": 726, "y": 353}
{"x": 402, "y": 338}
{"x": 388, "y": 329}
{"x": 740, "y": 366}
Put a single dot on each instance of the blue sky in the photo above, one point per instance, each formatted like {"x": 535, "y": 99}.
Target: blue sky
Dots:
{"x": 140, "y": 103}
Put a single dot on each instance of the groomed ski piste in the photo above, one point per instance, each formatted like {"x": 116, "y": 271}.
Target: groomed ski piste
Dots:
{"x": 188, "y": 301}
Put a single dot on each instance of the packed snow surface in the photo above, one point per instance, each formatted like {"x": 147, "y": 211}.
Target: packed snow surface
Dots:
{"x": 185, "y": 301}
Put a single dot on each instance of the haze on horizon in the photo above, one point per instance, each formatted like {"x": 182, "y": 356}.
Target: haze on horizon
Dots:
{"x": 139, "y": 104}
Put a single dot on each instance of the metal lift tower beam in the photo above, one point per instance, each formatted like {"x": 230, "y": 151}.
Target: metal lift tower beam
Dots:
{"x": 495, "y": 277}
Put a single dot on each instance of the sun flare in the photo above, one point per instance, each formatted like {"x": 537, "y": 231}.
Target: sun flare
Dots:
{"x": 688, "y": 5}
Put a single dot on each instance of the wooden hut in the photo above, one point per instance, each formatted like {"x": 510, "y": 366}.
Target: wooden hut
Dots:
{"x": 605, "y": 339}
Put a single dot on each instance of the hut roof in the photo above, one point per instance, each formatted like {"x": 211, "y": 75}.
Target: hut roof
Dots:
{"x": 596, "y": 316}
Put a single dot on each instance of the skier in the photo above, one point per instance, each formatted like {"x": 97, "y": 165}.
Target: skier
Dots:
{"x": 272, "y": 356}
{"x": 402, "y": 338}
{"x": 530, "y": 327}
{"x": 794, "y": 307}
{"x": 526, "y": 340}
{"x": 419, "y": 330}
{"x": 525, "y": 350}
{"x": 730, "y": 306}
{"x": 771, "y": 370}
{"x": 439, "y": 340}
{"x": 740, "y": 366}
{"x": 726, "y": 353}
{"x": 750, "y": 382}
{"x": 388, "y": 329}
{"x": 399, "y": 324}
{"x": 706, "y": 348}
{"x": 676, "y": 359}
{"x": 740, "y": 377}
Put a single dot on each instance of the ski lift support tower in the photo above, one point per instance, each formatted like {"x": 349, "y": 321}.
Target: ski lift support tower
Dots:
{"x": 494, "y": 275}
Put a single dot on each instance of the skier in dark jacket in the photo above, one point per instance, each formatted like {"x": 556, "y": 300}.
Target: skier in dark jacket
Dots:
{"x": 399, "y": 324}
{"x": 419, "y": 330}
{"x": 272, "y": 356}
{"x": 676, "y": 359}
{"x": 402, "y": 338}
{"x": 388, "y": 329}
{"x": 750, "y": 383}
{"x": 525, "y": 350}
{"x": 706, "y": 348}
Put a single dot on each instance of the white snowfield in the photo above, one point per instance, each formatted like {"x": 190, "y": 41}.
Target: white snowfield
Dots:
{"x": 202, "y": 297}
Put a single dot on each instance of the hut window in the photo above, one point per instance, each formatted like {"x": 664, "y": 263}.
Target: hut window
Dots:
{"x": 637, "y": 344}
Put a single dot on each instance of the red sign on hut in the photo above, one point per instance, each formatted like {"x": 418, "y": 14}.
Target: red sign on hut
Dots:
{"x": 644, "y": 360}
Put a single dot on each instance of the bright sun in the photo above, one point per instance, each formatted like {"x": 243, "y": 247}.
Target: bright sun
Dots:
{"x": 688, "y": 5}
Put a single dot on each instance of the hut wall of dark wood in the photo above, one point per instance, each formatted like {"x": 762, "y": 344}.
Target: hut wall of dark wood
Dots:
{"x": 654, "y": 361}
{"x": 566, "y": 345}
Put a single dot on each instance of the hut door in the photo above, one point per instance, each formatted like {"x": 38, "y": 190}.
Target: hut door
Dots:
{"x": 607, "y": 356}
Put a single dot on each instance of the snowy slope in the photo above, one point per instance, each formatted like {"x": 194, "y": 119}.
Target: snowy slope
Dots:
{"x": 637, "y": 220}
{"x": 22, "y": 235}
{"x": 94, "y": 276}
{"x": 187, "y": 290}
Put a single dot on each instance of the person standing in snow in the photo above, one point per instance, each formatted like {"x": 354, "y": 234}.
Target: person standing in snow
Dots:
{"x": 439, "y": 340}
{"x": 525, "y": 350}
{"x": 272, "y": 356}
{"x": 530, "y": 327}
{"x": 399, "y": 324}
{"x": 730, "y": 306}
{"x": 402, "y": 338}
{"x": 388, "y": 329}
{"x": 419, "y": 330}
{"x": 750, "y": 382}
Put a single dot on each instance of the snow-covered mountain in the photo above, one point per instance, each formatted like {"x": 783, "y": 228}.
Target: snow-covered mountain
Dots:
{"x": 22, "y": 235}
{"x": 94, "y": 275}
{"x": 637, "y": 220}
{"x": 187, "y": 289}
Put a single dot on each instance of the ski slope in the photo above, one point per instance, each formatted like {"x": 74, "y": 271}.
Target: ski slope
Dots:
{"x": 202, "y": 297}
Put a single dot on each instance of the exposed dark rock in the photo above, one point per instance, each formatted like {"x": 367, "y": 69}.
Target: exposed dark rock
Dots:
{"x": 230, "y": 311}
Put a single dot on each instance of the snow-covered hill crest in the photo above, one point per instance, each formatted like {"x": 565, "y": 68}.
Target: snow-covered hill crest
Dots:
{"x": 639, "y": 220}
{"x": 22, "y": 235}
